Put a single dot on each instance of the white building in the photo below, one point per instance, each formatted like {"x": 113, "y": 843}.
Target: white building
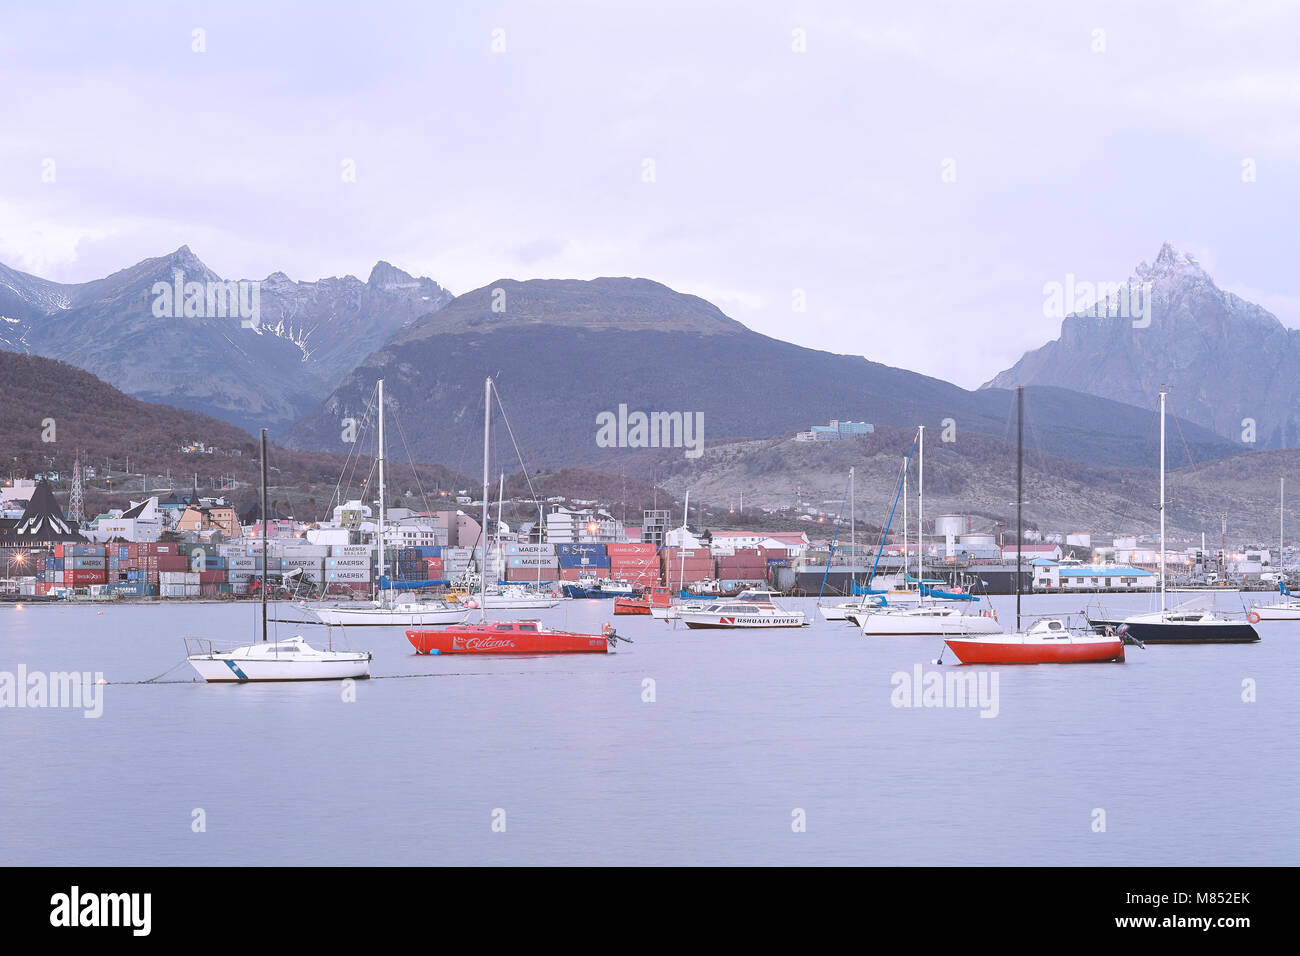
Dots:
{"x": 143, "y": 521}
{"x": 585, "y": 526}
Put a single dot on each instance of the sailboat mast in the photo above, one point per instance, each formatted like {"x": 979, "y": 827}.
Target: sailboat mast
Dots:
{"x": 907, "y": 540}
{"x": 1162, "y": 501}
{"x": 501, "y": 504}
{"x": 853, "y": 538}
{"x": 487, "y": 435}
{"x": 920, "y": 514}
{"x": 1281, "y": 518}
{"x": 1020, "y": 491}
{"x": 264, "y": 526}
{"x": 381, "y": 480}
{"x": 681, "y": 545}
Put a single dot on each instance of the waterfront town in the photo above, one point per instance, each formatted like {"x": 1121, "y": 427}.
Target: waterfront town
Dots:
{"x": 185, "y": 545}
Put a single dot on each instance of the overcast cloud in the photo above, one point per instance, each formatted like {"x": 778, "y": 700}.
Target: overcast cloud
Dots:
{"x": 775, "y": 170}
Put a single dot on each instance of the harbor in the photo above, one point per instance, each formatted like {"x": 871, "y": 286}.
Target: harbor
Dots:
{"x": 839, "y": 734}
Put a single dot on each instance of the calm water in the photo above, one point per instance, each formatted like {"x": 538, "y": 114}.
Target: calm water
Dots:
{"x": 745, "y": 728}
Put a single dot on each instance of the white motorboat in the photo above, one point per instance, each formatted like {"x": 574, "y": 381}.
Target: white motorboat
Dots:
{"x": 288, "y": 660}
{"x": 674, "y": 612}
{"x": 929, "y": 619}
{"x": 736, "y": 613}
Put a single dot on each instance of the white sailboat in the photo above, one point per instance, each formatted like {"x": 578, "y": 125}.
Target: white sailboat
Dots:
{"x": 387, "y": 610}
{"x": 288, "y": 660}
{"x": 946, "y": 619}
{"x": 1287, "y": 609}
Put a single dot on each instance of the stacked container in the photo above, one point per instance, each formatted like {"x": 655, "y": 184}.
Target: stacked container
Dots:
{"x": 696, "y": 566}
{"x": 744, "y": 567}
{"x": 638, "y": 564}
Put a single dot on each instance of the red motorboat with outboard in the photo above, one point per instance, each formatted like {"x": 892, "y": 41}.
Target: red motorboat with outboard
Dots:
{"x": 508, "y": 637}
{"x": 654, "y": 597}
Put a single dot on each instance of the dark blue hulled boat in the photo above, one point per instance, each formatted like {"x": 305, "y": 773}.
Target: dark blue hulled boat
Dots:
{"x": 590, "y": 588}
{"x": 1184, "y": 624}
{"x": 1191, "y": 623}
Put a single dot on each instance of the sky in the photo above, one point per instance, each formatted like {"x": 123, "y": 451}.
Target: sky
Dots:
{"x": 897, "y": 180}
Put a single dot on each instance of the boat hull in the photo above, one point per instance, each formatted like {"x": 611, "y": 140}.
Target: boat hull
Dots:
{"x": 480, "y": 639}
{"x": 738, "y": 621}
{"x": 1277, "y": 612}
{"x": 975, "y": 651}
{"x": 904, "y": 625}
{"x": 580, "y": 593}
{"x": 1225, "y": 632}
{"x": 386, "y": 617}
{"x": 631, "y": 606}
{"x": 222, "y": 669}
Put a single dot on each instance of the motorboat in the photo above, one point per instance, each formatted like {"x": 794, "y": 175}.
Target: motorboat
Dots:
{"x": 597, "y": 588}
{"x": 737, "y": 613}
{"x": 509, "y": 637}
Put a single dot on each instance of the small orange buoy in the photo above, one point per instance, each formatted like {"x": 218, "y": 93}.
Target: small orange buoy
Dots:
{"x": 1253, "y": 617}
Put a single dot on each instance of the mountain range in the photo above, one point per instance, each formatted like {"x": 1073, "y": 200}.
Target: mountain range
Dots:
{"x": 564, "y": 353}
{"x": 306, "y": 338}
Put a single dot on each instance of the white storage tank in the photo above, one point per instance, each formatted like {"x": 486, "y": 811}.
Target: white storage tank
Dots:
{"x": 1078, "y": 539}
{"x": 955, "y": 525}
{"x": 978, "y": 540}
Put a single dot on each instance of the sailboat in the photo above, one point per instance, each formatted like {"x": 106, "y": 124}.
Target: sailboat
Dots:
{"x": 1194, "y": 622}
{"x": 949, "y": 618}
{"x": 869, "y": 598}
{"x": 504, "y": 637}
{"x": 505, "y": 595}
{"x": 1048, "y": 640}
{"x": 387, "y": 610}
{"x": 1287, "y": 609}
{"x": 288, "y": 660}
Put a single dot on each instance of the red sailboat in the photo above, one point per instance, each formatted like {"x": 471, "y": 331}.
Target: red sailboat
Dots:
{"x": 508, "y": 637}
{"x": 504, "y": 637}
{"x": 1048, "y": 641}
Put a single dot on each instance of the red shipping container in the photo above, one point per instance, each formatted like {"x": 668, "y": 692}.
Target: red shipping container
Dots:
{"x": 212, "y": 577}
{"x": 84, "y": 577}
{"x": 621, "y": 550}
{"x": 173, "y": 563}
